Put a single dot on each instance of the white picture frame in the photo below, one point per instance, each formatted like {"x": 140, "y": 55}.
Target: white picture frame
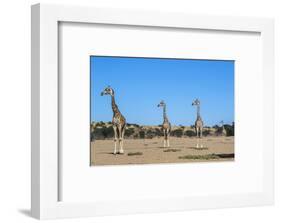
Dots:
{"x": 45, "y": 170}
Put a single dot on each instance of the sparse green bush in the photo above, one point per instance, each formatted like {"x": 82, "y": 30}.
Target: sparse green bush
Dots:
{"x": 189, "y": 133}
{"x": 149, "y": 134}
{"x": 129, "y": 132}
{"x": 102, "y": 133}
{"x": 219, "y": 130}
{"x": 206, "y": 132}
{"x": 229, "y": 130}
{"x": 107, "y": 132}
{"x": 142, "y": 134}
{"x": 92, "y": 136}
{"x": 158, "y": 132}
{"x": 177, "y": 132}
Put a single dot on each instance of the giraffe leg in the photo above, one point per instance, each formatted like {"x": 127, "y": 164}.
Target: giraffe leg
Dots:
{"x": 120, "y": 140}
{"x": 115, "y": 139}
{"x": 201, "y": 138}
{"x": 164, "y": 144}
{"x": 197, "y": 137}
{"x": 168, "y": 138}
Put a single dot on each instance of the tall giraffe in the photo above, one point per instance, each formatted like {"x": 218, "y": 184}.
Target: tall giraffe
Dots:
{"x": 166, "y": 126}
{"x": 198, "y": 123}
{"x": 118, "y": 121}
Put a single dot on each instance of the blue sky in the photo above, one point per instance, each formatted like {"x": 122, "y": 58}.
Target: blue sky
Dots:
{"x": 141, "y": 83}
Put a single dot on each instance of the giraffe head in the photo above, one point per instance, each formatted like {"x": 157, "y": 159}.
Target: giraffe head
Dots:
{"x": 196, "y": 102}
{"x": 161, "y": 104}
{"x": 107, "y": 91}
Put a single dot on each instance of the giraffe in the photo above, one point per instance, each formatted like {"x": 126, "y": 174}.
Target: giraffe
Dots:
{"x": 118, "y": 121}
{"x": 166, "y": 126}
{"x": 198, "y": 123}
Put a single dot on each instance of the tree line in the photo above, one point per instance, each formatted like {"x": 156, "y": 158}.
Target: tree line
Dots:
{"x": 104, "y": 130}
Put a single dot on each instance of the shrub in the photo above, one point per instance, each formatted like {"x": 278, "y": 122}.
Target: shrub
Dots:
{"x": 189, "y": 133}
{"x": 229, "y": 130}
{"x": 102, "y": 133}
{"x": 92, "y": 135}
{"x": 149, "y": 134}
{"x": 177, "y": 133}
{"x": 158, "y": 132}
{"x": 219, "y": 130}
{"x": 206, "y": 132}
{"x": 129, "y": 132}
{"x": 97, "y": 134}
{"x": 107, "y": 132}
{"x": 142, "y": 134}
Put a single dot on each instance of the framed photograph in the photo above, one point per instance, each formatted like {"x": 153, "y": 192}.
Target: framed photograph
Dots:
{"x": 142, "y": 111}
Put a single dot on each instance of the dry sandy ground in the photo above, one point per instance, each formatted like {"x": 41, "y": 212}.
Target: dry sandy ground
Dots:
{"x": 148, "y": 151}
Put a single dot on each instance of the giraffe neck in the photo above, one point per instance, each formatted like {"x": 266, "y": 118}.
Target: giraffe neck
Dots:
{"x": 164, "y": 114}
{"x": 114, "y": 105}
{"x": 198, "y": 112}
